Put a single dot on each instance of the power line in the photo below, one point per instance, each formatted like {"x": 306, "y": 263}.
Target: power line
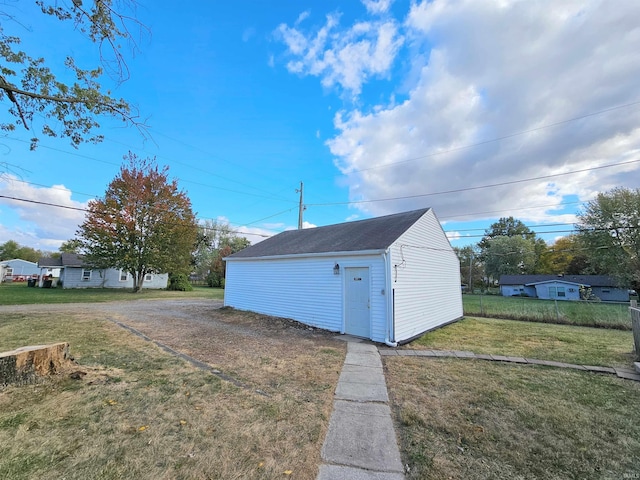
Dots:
{"x": 49, "y": 204}
{"x": 511, "y": 209}
{"x": 468, "y": 189}
{"x": 528, "y": 226}
{"x": 272, "y": 197}
{"x": 197, "y": 168}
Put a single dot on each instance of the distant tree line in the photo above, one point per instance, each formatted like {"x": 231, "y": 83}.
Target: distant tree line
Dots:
{"x": 11, "y": 249}
{"x": 606, "y": 242}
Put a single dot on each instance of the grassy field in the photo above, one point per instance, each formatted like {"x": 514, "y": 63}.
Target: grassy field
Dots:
{"x": 562, "y": 343}
{"x": 20, "y": 294}
{"x": 142, "y": 413}
{"x": 482, "y": 420}
{"x": 589, "y": 314}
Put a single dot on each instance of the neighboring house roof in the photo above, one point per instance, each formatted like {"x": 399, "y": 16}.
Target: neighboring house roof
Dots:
{"x": 64, "y": 260}
{"x": 559, "y": 280}
{"x": 591, "y": 280}
{"x": 371, "y": 234}
{"x": 16, "y": 260}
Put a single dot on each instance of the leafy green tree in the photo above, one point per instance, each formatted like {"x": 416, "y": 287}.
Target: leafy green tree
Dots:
{"x": 31, "y": 87}
{"x": 143, "y": 225}
{"x": 71, "y": 246}
{"x": 12, "y": 249}
{"x": 509, "y": 227}
{"x": 509, "y": 256}
{"x": 9, "y": 250}
{"x": 471, "y": 267}
{"x": 562, "y": 257}
{"x": 216, "y": 240}
{"x": 609, "y": 227}
{"x": 506, "y": 227}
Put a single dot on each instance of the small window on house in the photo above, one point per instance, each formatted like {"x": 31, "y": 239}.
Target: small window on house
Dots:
{"x": 124, "y": 276}
{"x": 148, "y": 277}
{"x": 561, "y": 292}
{"x": 606, "y": 290}
{"x": 86, "y": 275}
{"x": 9, "y": 272}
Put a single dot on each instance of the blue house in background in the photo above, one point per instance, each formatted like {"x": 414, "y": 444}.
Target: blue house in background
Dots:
{"x": 563, "y": 287}
{"x": 17, "y": 270}
{"x": 74, "y": 273}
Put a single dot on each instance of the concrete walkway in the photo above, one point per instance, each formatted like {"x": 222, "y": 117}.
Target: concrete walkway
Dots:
{"x": 626, "y": 373}
{"x": 361, "y": 442}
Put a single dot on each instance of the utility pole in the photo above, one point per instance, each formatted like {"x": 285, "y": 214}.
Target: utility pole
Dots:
{"x": 471, "y": 271}
{"x": 301, "y": 207}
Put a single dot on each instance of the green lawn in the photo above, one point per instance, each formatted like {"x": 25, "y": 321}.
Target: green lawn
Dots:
{"x": 489, "y": 420}
{"x": 562, "y": 343}
{"x": 591, "y": 314}
{"x": 20, "y": 294}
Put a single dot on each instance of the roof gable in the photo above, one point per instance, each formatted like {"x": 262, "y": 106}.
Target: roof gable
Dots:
{"x": 362, "y": 235}
{"x": 20, "y": 261}
{"x": 558, "y": 280}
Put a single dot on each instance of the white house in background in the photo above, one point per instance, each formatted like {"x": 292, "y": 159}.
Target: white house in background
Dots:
{"x": 388, "y": 279}
{"x": 74, "y": 273}
{"x": 563, "y": 287}
{"x": 17, "y": 270}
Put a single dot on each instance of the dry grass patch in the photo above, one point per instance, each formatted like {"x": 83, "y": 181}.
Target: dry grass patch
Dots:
{"x": 481, "y": 420}
{"x": 142, "y": 413}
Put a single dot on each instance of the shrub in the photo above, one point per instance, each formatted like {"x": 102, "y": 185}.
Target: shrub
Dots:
{"x": 180, "y": 282}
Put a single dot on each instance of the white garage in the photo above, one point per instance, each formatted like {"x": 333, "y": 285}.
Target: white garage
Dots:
{"x": 388, "y": 279}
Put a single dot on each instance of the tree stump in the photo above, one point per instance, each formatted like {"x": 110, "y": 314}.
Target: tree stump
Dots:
{"x": 25, "y": 364}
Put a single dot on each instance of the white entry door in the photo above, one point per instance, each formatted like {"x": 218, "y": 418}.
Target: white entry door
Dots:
{"x": 357, "y": 307}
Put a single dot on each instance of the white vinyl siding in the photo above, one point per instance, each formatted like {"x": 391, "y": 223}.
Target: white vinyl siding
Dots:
{"x": 425, "y": 279}
{"x": 303, "y": 289}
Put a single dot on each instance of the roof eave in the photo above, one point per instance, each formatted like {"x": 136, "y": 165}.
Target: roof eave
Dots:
{"x": 308, "y": 255}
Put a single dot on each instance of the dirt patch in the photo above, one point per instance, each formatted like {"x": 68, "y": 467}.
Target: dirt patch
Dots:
{"x": 235, "y": 342}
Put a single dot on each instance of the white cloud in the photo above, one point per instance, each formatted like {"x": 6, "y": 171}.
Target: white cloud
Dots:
{"x": 343, "y": 57}
{"x": 47, "y": 226}
{"x": 482, "y": 71}
{"x": 377, "y": 6}
{"x": 302, "y": 17}
{"x": 248, "y": 34}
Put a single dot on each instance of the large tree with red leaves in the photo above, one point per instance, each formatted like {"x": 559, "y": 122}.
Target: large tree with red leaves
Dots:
{"x": 143, "y": 225}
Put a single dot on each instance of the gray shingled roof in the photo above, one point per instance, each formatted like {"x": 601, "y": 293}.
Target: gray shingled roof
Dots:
{"x": 64, "y": 260}
{"x": 591, "y": 280}
{"x": 371, "y": 234}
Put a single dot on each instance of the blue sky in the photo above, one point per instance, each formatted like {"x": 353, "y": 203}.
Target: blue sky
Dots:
{"x": 478, "y": 109}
